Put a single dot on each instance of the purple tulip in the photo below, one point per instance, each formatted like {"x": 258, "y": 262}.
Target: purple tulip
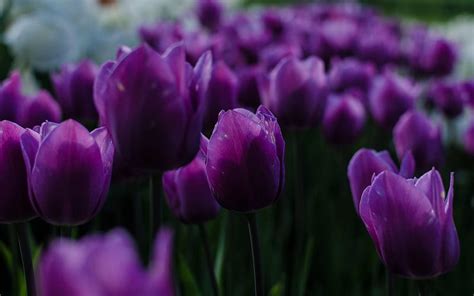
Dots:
{"x": 296, "y": 91}
{"x": 340, "y": 34}
{"x": 38, "y": 109}
{"x": 390, "y": 96}
{"x": 221, "y": 93}
{"x": 429, "y": 54}
{"x": 210, "y": 13}
{"x": 411, "y": 224}
{"x": 188, "y": 193}
{"x": 448, "y": 97}
{"x": 248, "y": 93}
{"x": 467, "y": 89}
{"x": 245, "y": 160}
{"x": 161, "y": 35}
{"x": 73, "y": 86}
{"x": 272, "y": 54}
{"x": 351, "y": 74}
{"x": 378, "y": 44}
{"x": 153, "y": 106}
{"x": 343, "y": 120}
{"x": 99, "y": 265}
{"x": 468, "y": 138}
{"x": 367, "y": 163}
{"x": 15, "y": 204}
{"x": 11, "y": 97}
{"x": 69, "y": 171}
{"x": 415, "y": 132}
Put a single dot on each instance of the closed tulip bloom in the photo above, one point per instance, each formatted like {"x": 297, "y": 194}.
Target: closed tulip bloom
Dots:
{"x": 11, "y": 97}
{"x": 448, "y": 97}
{"x": 188, "y": 193}
{"x": 296, "y": 91}
{"x": 101, "y": 265}
{"x": 343, "y": 120}
{"x": 221, "y": 93}
{"x": 411, "y": 224}
{"x": 69, "y": 171}
{"x": 351, "y": 74}
{"x": 468, "y": 138}
{"x": 415, "y": 132}
{"x": 74, "y": 86}
{"x": 14, "y": 202}
{"x": 367, "y": 163}
{"x": 245, "y": 160}
{"x": 248, "y": 93}
{"x": 153, "y": 106}
{"x": 38, "y": 109}
{"x": 390, "y": 96}
{"x": 210, "y": 13}
{"x": 434, "y": 56}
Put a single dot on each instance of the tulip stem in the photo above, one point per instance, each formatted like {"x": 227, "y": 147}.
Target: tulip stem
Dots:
{"x": 257, "y": 261}
{"x": 390, "y": 283}
{"x": 154, "y": 206}
{"x": 209, "y": 261}
{"x": 422, "y": 288}
{"x": 25, "y": 252}
{"x": 14, "y": 248}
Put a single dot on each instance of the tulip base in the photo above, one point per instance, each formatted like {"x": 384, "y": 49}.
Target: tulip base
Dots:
{"x": 257, "y": 261}
{"x": 25, "y": 252}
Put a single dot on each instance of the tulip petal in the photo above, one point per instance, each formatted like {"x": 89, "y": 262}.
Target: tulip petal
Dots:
{"x": 68, "y": 175}
{"x": 161, "y": 273}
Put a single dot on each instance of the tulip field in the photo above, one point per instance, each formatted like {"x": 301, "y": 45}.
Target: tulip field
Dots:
{"x": 212, "y": 147}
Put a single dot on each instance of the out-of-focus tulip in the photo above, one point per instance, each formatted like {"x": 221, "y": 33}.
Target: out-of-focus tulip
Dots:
{"x": 248, "y": 94}
{"x": 153, "y": 106}
{"x": 340, "y": 35}
{"x": 38, "y": 109}
{"x": 210, "y": 13}
{"x": 105, "y": 265}
{"x": 448, "y": 97}
{"x": 390, "y": 96}
{"x": 367, "y": 163}
{"x": 69, "y": 171}
{"x": 188, "y": 193}
{"x": 379, "y": 45}
{"x": 221, "y": 93}
{"x": 467, "y": 88}
{"x": 14, "y": 204}
{"x": 74, "y": 89}
{"x": 11, "y": 97}
{"x": 411, "y": 224}
{"x": 351, "y": 74}
{"x": 272, "y": 54}
{"x": 245, "y": 160}
{"x": 343, "y": 120}
{"x": 468, "y": 138}
{"x": 415, "y": 132}
{"x": 296, "y": 91}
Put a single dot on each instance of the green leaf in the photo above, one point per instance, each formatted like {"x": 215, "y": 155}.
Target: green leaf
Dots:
{"x": 219, "y": 264}
{"x": 187, "y": 278}
{"x": 277, "y": 289}
{"x": 308, "y": 257}
{"x": 7, "y": 255}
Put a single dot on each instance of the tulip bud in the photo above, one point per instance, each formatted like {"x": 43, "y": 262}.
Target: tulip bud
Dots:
{"x": 296, "y": 91}
{"x": 104, "y": 265}
{"x": 74, "y": 89}
{"x": 340, "y": 35}
{"x": 366, "y": 163}
{"x": 210, "y": 13}
{"x": 415, "y": 132}
{"x": 468, "y": 139}
{"x": 188, "y": 194}
{"x": 245, "y": 160}
{"x": 411, "y": 224}
{"x": 69, "y": 171}
{"x": 351, "y": 74}
{"x": 448, "y": 97}
{"x": 221, "y": 93}
{"x": 152, "y": 105}
{"x": 15, "y": 204}
{"x": 434, "y": 56}
{"x": 344, "y": 120}
{"x": 379, "y": 45}
{"x": 11, "y": 97}
{"x": 248, "y": 93}
{"x": 38, "y": 109}
{"x": 390, "y": 96}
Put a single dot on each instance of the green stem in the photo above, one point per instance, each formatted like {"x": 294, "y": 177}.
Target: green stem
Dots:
{"x": 257, "y": 261}
{"x": 390, "y": 283}
{"x": 209, "y": 261}
{"x": 14, "y": 248}
{"x": 423, "y": 288}
{"x": 154, "y": 207}
{"x": 25, "y": 251}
